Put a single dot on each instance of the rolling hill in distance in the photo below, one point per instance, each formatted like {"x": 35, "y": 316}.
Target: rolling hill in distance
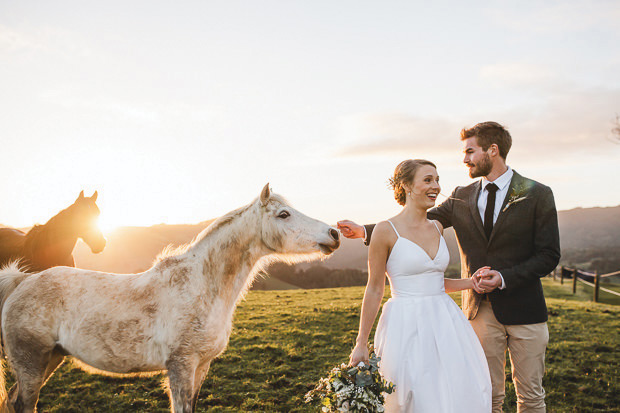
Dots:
{"x": 590, "y": 239}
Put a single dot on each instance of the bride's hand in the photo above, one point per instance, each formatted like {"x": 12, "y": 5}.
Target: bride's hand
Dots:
{"x": 477, "y": 277}
{"x": 359, "y": 353}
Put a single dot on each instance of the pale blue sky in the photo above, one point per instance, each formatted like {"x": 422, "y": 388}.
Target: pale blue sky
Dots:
{"x": 181, "y": 111}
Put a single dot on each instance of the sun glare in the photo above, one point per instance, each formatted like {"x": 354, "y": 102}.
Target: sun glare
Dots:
{"x": 106, "y": 224}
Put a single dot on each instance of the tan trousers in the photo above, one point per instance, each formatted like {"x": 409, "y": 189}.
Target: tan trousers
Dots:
{"x": 527, "y": 344}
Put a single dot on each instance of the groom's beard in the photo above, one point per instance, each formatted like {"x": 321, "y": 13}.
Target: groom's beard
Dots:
{"x": 482, "y": 168}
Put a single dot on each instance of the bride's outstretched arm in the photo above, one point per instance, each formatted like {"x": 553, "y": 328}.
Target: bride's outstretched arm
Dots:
{"x": 452, "y": 285}
{"x": 377, "y": 258}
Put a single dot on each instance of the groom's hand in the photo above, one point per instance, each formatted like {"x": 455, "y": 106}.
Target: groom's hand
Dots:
{"x": 477, "y": 277}
{"x": 490, "y": 280}
{"x": 350, "y": 229}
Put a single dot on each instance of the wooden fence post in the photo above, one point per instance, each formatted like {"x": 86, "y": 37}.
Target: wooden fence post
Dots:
{"x": 596, "y": 285}
{"x": 562, "y": 276}
{"x": 574, "y": 280}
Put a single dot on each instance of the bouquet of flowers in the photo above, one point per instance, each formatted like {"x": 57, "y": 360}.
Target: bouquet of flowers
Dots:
{"x": 352, "y": 389}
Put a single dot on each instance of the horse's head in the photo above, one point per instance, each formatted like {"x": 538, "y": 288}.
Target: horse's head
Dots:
{"x": 287, "y": 231}
{"x": 85, "y": 216}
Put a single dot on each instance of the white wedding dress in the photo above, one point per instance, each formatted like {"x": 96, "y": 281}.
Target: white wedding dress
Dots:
{"x": 427, "y": 347}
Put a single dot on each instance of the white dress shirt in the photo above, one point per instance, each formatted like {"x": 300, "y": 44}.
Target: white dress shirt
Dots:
{"x": 503, "y": 183}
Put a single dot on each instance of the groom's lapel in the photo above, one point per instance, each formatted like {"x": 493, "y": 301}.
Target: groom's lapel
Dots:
{"x": 516, "y": 178}
{"x": 473, "y": 208}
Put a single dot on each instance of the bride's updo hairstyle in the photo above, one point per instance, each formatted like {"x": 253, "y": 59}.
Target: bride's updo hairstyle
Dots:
{"x": 404, "y": 174}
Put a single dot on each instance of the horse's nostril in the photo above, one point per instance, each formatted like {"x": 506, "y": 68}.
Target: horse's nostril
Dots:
{"x": 334, "y": 234}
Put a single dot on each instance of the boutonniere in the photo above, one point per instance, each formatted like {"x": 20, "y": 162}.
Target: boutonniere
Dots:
{"x": 518, "y": 194}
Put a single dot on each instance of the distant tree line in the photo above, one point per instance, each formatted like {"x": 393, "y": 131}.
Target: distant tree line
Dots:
{"x": 604, "y": 260}
{"x": 318, "y": 276}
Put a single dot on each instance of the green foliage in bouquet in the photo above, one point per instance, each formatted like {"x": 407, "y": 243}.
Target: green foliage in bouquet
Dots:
{"x": 352, "y": 389}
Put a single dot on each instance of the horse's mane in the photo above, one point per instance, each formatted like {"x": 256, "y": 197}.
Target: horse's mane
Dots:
{"x": 39, "y": 233}
{"x": 169, "y": 251}
{"x": 33, "y": 238}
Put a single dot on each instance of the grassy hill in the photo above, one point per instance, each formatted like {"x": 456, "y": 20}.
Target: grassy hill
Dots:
{"x": 284, "y": 341}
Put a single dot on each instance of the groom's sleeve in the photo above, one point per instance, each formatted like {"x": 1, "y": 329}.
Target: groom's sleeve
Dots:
{"x": 443, "y": 212}
{"x": 368, "y": 228}
{"x": 546, "y": 245}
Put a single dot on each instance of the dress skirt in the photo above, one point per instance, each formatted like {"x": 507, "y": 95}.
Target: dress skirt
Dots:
{"x": 432, "y": 355}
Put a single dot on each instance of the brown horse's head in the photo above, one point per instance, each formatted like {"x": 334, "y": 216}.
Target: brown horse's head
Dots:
{"x": 85, "y": 222}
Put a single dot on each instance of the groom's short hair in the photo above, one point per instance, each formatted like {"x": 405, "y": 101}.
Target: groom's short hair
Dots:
{"x": 488, "y": 133}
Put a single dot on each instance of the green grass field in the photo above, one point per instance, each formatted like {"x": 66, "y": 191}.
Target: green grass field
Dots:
{"x": 284, "y": 341}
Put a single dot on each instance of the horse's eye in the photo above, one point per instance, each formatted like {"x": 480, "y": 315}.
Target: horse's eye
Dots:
{"x": 284, "y": 215}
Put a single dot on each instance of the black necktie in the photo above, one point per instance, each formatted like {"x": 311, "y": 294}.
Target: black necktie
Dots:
{"x": 490, "y": 209}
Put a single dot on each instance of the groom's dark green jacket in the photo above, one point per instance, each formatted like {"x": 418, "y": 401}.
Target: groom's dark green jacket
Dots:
{"x": 524, "y": 246}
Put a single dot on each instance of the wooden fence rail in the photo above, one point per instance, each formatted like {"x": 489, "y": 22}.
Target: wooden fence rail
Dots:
{"x": 592, "y": 279}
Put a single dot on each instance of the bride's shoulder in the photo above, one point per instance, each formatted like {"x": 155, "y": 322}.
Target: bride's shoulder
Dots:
{"x": 384, "y": 230}
{"x": 382, "y": 226}
{"x": 437, "y": 224}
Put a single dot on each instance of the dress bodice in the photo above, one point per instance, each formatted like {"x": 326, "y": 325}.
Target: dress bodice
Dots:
{"x": 412, "y": 272}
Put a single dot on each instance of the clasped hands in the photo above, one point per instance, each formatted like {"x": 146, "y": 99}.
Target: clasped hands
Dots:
{"x": 486, "y": 280}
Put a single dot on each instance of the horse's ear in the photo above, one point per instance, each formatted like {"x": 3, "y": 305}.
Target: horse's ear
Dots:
{"x": 80, "y": 196}
{"x": 265, "y": 194}
{"x": 94, "y": 197}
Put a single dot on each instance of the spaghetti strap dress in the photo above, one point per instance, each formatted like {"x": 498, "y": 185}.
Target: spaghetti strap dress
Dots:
{"x": 427, "y": 347}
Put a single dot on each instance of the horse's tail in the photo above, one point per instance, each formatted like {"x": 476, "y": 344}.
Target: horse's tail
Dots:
{"x": 11, "y": 276}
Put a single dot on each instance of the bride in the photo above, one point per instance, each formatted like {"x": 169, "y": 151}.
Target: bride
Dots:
{"x": 427, "y": 347}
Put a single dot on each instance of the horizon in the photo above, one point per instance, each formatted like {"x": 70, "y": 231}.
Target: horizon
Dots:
{"x": 180, "y": 113}
{"x": 208, "y": 221}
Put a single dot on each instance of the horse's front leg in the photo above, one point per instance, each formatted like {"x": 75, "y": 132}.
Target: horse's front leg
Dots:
{"x": 181, "y": 375}
{"x": 199, "y": 378}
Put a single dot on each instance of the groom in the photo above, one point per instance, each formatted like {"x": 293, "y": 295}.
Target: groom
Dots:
{"x": 508, "y": 223}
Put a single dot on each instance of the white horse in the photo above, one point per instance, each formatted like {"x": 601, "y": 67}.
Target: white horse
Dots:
{"x": 177, "y": 316}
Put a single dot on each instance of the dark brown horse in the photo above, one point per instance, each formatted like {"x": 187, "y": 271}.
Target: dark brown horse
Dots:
{"x": 51, "y": 245}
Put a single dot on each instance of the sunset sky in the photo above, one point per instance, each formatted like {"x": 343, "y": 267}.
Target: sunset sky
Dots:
{"x": 178, "y": 112}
